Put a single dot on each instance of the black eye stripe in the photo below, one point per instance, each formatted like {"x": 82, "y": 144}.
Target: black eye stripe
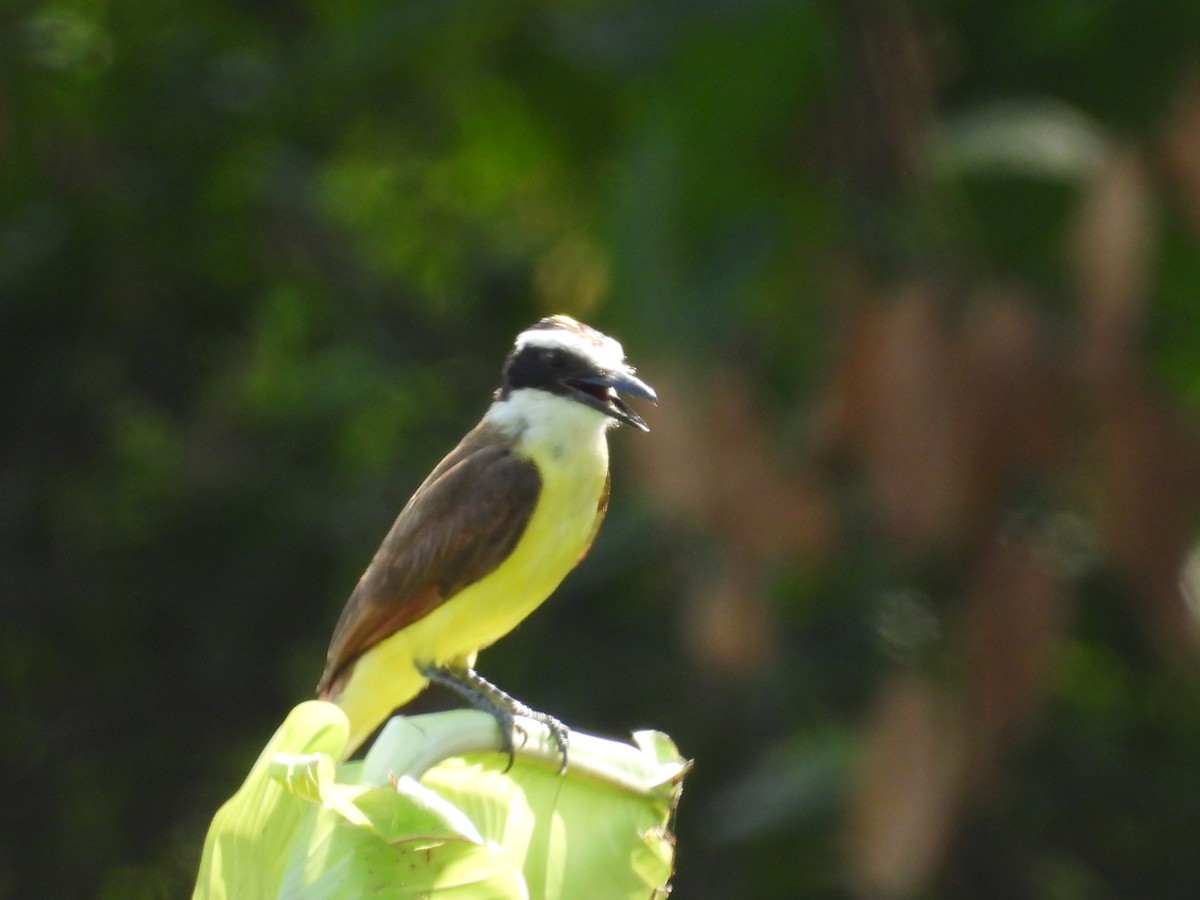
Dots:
{"x": 546, "y": 368}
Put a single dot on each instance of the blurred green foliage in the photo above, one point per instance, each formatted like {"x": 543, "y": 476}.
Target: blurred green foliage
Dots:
{"x": 259, "y": 264}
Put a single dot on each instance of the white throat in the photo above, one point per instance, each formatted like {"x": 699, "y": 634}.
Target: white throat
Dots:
{"x": 546, "y": 426}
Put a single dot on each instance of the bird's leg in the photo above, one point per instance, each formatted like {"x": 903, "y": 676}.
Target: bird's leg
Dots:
{"x": 485, "y": 696}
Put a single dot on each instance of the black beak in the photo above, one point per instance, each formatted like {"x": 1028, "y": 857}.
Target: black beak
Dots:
{"x": 600, "y": 391}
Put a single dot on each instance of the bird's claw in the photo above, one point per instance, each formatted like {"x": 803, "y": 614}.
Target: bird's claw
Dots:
{"x": 503, "y": 707}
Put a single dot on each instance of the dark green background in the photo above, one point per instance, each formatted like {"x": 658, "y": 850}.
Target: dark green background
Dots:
{"x": 260, "y": 262}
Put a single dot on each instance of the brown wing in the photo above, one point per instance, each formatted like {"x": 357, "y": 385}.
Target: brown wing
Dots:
{"x": 459, "y": 525}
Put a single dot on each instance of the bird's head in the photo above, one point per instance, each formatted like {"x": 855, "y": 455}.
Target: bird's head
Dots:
{"x": 567, "y": 358}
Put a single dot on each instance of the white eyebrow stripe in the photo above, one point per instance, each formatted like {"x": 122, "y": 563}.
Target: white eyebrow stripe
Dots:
{"x": 608, "y": 354}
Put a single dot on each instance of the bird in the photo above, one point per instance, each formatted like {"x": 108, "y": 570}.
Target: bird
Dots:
{"x": 489, "y": 534}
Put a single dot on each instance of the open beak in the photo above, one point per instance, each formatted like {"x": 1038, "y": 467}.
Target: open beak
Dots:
{"x": 600, "y": 391}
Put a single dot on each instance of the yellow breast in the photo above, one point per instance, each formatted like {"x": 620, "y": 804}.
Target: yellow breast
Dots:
{"x": 567, "y": 443}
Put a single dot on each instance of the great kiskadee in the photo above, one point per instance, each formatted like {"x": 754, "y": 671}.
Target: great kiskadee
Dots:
{"x": 489, "y": 534}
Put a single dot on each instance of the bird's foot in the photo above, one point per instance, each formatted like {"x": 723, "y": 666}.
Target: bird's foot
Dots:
{"x": 503, "y": 707}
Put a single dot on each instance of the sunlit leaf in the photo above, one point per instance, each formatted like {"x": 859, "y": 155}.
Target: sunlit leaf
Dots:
{"x": 465, "y": 829}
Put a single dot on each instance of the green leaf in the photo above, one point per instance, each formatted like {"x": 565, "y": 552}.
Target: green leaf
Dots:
{"x": 249, "y": 841}
{"x": 431, "y": 813}
{"x": 600, "y": 830}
